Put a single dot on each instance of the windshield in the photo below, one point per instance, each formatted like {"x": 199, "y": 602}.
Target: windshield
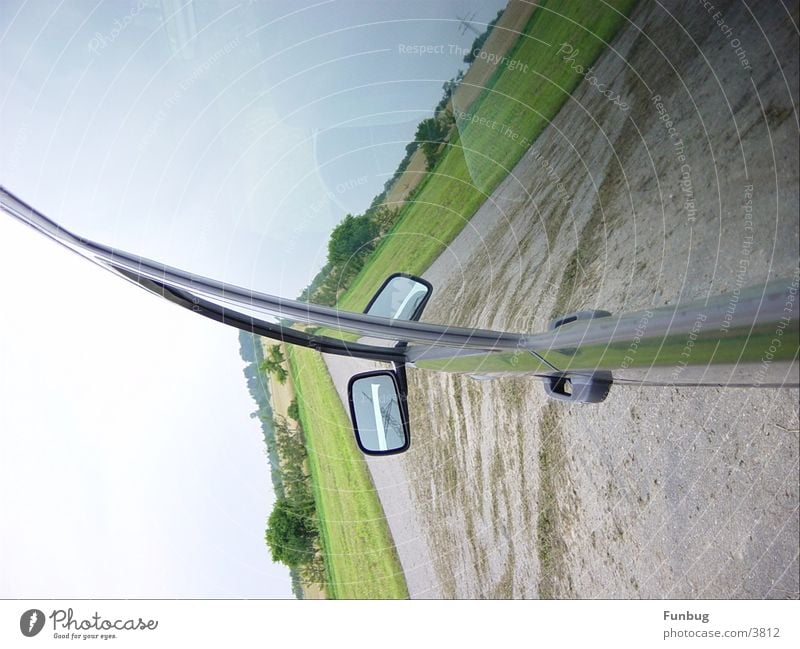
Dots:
{"x": 225, "y": 139}
{"x": 599, "y": 194}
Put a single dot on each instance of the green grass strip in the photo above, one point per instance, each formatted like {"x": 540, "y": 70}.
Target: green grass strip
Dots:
{"x": 360, "y": 558}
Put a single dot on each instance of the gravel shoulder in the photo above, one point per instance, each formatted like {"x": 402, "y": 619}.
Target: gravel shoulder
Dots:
{"x": 658, "y": 492}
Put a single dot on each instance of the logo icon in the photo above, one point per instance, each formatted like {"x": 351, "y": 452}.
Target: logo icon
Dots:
{"x": 31, "y": 622}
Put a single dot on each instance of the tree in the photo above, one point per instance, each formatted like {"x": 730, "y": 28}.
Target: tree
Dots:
{"x": 430, "y": 134}
{"x": 430, "y": 130}
{"x": 385, "y": 217}
{"x": 293, "y": 410}
{"x": 290, "y": 534}
{"x": 351, "y": 241}
{"x": 314, "y": 572}
{"x": 449, "y": 88}
{"x": 273, "y": 364}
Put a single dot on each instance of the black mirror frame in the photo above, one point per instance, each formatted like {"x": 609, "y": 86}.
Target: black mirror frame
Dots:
{"x": 399, "y": 384}
{"x": 420, "y": 307}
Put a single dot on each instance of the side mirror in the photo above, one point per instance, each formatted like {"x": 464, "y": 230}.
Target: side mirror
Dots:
{"x": 401, "y": 297}
{"x": 378, "y": 411}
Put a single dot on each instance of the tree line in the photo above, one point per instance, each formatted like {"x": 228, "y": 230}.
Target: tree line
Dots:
{"x": 258, "y": 365}
{"x": 292, "y": 533}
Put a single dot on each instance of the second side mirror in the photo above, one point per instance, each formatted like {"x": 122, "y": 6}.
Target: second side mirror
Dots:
{"x": 401, "y": 297}
{"x": 378, "y": 411}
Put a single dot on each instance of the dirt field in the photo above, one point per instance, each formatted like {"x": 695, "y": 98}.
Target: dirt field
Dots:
{"x": 408, "y": 180}
{"x": 658, "y": 492}
{"x": 501, "y": 40}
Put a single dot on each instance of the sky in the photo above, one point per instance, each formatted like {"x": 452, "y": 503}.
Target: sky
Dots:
{"x": 224, "y": 138}
{"x": 129, "y": 465}
{"x": 229, "y": 141}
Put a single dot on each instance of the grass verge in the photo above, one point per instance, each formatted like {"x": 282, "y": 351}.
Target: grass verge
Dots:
{"x": 360, "y": 558}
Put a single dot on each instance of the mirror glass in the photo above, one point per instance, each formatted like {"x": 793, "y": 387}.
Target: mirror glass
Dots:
{"x": 401, "y": 297}
{"x": 380, "y": 425}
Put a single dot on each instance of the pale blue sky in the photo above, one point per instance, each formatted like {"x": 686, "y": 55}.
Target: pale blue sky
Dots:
{"x": 229, "y": 143}
{"x": 220, "y": 151}
{"x": 129, "y": 465}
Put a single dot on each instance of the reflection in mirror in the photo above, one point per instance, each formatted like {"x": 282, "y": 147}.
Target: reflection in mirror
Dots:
{"x": 378, "y": 414}
{"x": 402, "y": 297}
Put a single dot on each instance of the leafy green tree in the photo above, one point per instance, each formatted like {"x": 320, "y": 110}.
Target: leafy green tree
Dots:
{"x": 314, "y": 571}
{"x": 351, "y": 241}
{"x": 430, "y": 134}
{"x": 293, "y": 410}
{"x": 449, "y": 88}
{"x": 385, "y": 217}
{"x": 430, "y": 130}
{"x": 290, "y": 534}
{"x": 273, "y": 364}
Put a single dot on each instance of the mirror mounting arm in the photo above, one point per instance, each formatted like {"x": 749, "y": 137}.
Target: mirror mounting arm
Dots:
{"x": 579, "y": 387}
